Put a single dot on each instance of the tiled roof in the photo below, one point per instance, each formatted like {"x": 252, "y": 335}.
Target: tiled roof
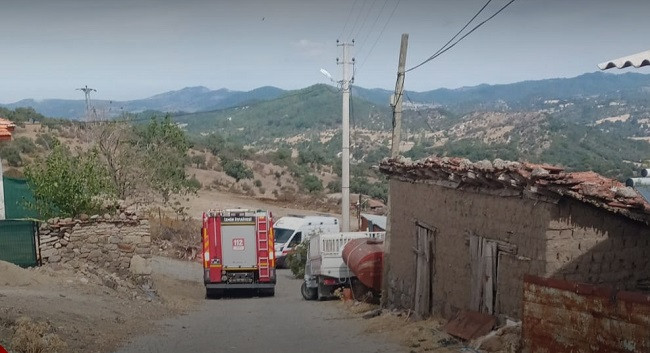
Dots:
{"x": 529, "y": 179}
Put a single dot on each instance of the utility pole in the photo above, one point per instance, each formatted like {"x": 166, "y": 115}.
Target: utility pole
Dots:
{"x": 86, "y": 90}
{"x": 345, "y": 153}
{"x": 397, "y": 98}
{"x": 396, "y": 103}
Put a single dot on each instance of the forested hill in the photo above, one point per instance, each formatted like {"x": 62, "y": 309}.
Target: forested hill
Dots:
{"x": 520, "y": 95}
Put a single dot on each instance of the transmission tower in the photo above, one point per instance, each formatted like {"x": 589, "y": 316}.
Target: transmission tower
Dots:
{"x": 86, "y": 90}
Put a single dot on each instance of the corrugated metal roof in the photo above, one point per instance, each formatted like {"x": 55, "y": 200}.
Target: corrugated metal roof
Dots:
{"x": 379, "y": 221}
{"x": 636, "y": 60}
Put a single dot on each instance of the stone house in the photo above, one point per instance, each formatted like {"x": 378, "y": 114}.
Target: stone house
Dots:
{"x": 462, "y": 235}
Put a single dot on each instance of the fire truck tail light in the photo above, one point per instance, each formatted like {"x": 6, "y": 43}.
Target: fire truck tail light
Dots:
{"x": 206, "y": 255}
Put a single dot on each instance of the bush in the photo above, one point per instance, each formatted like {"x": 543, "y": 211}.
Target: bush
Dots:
{"x": 193, "y": 183}
{"x": 24, "y": 144}
{"x": 47, "y": 140}
{"x": 12, "y": 155}
{"x": 67, "y": 185}
{"x": 334, "y": 186}
{"x": 36, "y": 337}
{"x": 257, "y": 183}
{"x": 311, "y": 183}
{"x": 236, "y": 169}
{"x": 297, "y": 260}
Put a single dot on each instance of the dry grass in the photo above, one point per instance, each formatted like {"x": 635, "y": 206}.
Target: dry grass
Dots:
{"x": 36, "y": 337}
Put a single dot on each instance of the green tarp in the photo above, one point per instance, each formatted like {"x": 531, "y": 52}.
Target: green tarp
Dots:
{"x": 17, "y": 242}
{"x": 16, "y": 193}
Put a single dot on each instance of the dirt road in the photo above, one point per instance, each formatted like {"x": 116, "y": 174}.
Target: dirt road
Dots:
{"x": 284, "y": 323}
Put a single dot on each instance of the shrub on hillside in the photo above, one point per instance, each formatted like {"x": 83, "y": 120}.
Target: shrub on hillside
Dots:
{"x": 312, "y": 184}
{"x": 236, "y": 169}
{"x": 24, "y": 144}
{"x": 11, "y": 154}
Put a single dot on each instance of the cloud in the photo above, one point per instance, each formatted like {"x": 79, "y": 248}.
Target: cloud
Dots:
{"x": 310, "y": 48}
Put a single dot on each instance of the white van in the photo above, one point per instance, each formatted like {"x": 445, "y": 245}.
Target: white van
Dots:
{"x": 290, "y": 231}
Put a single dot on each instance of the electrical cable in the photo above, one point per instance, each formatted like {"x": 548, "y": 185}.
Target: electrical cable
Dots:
{"x": 348, "y": 20}
{"x": 465, "y": 26}
{"x": 357, "y": 20}
{"x": 365, "y": 19}
{"x": 440, "y": 52}
{"x": 381, "y": 33}
{"x": 426, "y": 120}
{"x": 365, "y": 39}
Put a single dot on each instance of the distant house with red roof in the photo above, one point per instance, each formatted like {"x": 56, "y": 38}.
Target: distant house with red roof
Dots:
{"x": 6, "y": 129}
{"x": 463, "y": 235}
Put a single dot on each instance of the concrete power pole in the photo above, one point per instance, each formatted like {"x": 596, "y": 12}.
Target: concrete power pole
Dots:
{"x": 86, "y": 90}
{"x": 345, "y": 155}
{"x": 396, "y": 103}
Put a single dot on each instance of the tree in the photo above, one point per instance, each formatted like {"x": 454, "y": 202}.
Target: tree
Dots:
{"x": 67, "y": 185}
{"x": 165, "y": 148}
{"x": 117, "y": 146}
{"x": 236, "y": 169}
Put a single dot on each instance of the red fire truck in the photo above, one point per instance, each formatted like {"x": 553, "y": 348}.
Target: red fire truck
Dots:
{"x": 238, "y": 251}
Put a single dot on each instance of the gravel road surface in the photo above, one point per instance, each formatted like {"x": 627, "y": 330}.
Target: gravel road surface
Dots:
{"x": 243, "y": 324}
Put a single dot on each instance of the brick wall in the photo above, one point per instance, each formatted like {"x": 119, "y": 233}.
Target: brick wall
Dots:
{"x": 106, "y": 241}
{"x": 561, "y": 316}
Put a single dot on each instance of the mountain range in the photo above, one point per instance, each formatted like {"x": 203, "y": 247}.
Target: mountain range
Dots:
{"x": 520, "y": 95}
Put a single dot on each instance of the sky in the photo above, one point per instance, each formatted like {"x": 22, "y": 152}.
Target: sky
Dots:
{"x": 133, "y": 49}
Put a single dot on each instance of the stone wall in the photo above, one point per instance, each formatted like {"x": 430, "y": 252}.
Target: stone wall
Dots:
{"x": 115, "y": 243}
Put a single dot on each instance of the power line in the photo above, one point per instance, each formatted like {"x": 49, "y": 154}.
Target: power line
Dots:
{"x": 365, "y": 19}
{"x": 357, "y": 20}
{"x": 365, "y": 39}
{"x": 426, "y": 120}
{"x": 440, "y": 52}
{"x": 380, "y": 33}
{"x": 465, "y": 26}
{"x": 348, "y": 20}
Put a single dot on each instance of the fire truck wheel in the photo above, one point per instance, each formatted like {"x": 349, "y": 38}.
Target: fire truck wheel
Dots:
{"x": 213, "y": 293}
{"x": 308, "y": 293}
{"x": 267, "y": 292}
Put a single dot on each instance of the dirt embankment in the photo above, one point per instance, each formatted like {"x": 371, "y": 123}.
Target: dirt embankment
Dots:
{"x": 83, "y": 310}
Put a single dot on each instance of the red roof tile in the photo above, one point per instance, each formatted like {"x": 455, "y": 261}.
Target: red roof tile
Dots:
{"x": 587, "y": 187}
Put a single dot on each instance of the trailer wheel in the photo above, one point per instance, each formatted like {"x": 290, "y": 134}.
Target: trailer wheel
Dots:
{"x": 308, "y": 293}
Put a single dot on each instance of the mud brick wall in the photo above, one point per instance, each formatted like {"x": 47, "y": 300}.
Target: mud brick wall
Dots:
{"x": 597, "y": 247}
{"x": 105, "y": 241}
{"x": 560, "y": 238}
{"x": 561, "y": 316}
{"x": 456, "y": 213}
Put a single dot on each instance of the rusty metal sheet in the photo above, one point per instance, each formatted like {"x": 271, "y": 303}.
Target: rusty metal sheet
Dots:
{"x": 470, "y": 324}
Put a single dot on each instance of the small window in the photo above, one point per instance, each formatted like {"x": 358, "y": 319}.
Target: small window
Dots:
{"x": 297, "y": 238}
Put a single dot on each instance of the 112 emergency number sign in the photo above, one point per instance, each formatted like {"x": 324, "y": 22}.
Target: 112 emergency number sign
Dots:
{"x": 238, "y": 244}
